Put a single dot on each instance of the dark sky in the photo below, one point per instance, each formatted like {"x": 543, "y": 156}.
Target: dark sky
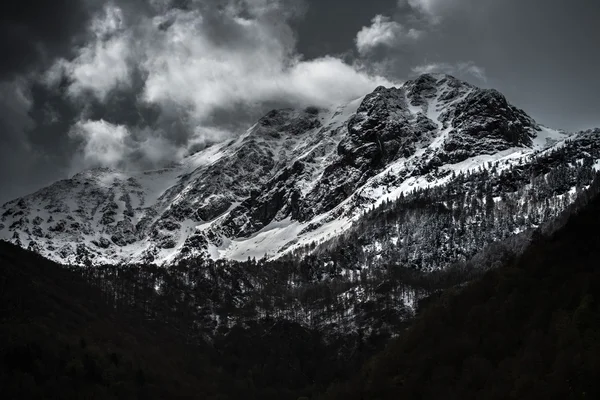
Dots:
{"x": 139, "y": 83}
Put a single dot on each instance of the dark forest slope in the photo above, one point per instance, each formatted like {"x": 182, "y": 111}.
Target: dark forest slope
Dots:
{"x": 59, "y": 340}
{"x": 64, "y": 338}
{"x": 528, "y": 330}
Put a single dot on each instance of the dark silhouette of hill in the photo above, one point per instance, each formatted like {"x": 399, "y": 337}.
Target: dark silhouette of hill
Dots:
{"x": 62, "y": 337}
{"x": 528, "y": 330}
{"x": 58, "y": 340}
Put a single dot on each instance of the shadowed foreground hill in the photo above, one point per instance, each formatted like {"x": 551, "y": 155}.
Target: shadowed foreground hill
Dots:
{"x": 62, "y": 338}
{"x": 59, "y": 341}
{"x": 528, "y": 330}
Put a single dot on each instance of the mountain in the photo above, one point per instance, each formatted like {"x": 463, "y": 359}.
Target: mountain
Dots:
{"x": 296, "y": 179}
{"x": 276, "y": 263}
{"x": 527, "y": 330}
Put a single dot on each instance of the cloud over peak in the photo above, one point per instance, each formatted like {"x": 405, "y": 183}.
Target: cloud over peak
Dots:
{"x": 205, "y": 69}
{"x": 383, "y": 32}
{"x": 468, "y": 68}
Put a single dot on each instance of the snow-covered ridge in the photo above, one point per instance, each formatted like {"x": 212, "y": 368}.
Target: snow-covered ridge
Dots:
{"x": 295, "y": 177}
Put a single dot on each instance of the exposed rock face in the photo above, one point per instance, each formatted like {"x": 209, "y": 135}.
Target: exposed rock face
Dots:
{"x": 294, "y": 177}
{"x": 484, "y": 123}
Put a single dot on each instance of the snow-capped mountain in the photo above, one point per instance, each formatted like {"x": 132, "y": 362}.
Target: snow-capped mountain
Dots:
{"x": 294, "y": 178}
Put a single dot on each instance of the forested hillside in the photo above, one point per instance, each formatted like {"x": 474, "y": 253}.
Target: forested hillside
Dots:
{"x": 518, "y": 320}
{"x": 528, "y": 330}
{"x": 371, "y": 278}
{"x": 62, "y": 338}
{"x": 432, "y": 228}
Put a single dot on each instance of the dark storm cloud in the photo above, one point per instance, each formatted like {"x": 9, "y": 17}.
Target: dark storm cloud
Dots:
{"x": 137, "y": 82}
{"x": 33, "y": 32}
{"x": 14, "y": 120}
{"x": 32, "y": 35}
{"x": 210, "y": 67}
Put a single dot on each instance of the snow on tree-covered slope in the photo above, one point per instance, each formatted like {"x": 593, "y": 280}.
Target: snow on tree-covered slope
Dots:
{"x": 295, "y": 177}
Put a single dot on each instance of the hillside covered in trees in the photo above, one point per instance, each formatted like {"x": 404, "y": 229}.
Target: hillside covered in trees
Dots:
{"x": 64, "y": 338}
{"x": 528, "y": 330}
{"x": 525, "y": 329}
{"x": 60, "y": 340}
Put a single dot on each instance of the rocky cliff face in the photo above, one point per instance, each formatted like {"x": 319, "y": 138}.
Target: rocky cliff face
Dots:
{"x": 295, "y": 177}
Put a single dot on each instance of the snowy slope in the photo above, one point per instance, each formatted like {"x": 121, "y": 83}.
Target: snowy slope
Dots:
{"x": 295, "y": 177}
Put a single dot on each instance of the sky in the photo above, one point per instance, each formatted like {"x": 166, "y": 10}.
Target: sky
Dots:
{"x": 136, "y": 84}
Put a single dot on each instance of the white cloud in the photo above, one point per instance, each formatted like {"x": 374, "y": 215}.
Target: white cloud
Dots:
{"x": 428, "y": 6}
{"x": 103, "y": 143}
{"x": 330, "y": 80}
{"x": 109, "y": 23}
{"x": 464, "y": 68}
{"x": 113, "y": 145}
{"x": 100, "y": 68}
{"x": 205, "y": 62}
{"x": 383, "y": 32}
{"x": 430, "y": 9}
{"x": 101, "y": 65}
{"x": 434, "y": 12}
{"x": 185, "y": 66}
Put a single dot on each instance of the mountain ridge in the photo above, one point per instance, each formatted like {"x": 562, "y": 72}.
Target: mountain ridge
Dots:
{"x": 295, "y": 177}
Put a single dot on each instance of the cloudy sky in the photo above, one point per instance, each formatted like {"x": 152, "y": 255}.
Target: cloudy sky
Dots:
{"x": 140, "y": 83}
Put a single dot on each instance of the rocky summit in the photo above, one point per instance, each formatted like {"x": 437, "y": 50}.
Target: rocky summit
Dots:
{"x": 295, "y": 178}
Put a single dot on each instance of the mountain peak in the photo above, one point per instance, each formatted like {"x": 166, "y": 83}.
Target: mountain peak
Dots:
{"x": 438, "y": 78}
{"x": 431, "y": 77}
{"x": 297, "y": 176}
{"x": 288, "y": 121}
